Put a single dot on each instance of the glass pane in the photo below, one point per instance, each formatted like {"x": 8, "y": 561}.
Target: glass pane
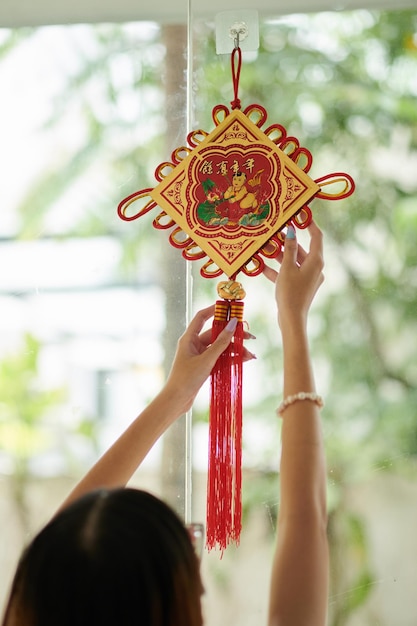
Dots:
{"x": 91, "y": 306}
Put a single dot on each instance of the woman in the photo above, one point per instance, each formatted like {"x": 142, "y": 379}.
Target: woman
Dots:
{"x": 120, "y": 556}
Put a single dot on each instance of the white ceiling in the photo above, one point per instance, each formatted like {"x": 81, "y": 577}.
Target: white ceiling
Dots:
{"x": 16, "y": 13}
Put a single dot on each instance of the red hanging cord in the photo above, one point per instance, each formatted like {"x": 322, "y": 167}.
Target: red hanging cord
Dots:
{"x": 236, "y": 76}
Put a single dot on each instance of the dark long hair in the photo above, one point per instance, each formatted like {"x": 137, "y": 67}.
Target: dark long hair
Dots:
{"x": 119, "y": 557}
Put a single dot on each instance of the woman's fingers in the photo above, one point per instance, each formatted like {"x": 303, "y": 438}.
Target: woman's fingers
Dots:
{"x": 270, "y": 273}
{"x": 290, "y": 247}
{"x": 295, "y": 252}
{"x": 316, "y": 241}
{"x": 301, "y": 255}
{"x": 199, "y": 319}
{"x": 314, "y": 261}
{"x": 248, "y": 355}
{"x": 205, "y": 339}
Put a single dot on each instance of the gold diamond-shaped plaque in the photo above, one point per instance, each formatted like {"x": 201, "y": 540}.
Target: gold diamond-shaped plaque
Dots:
{"x": 234, "y": 191}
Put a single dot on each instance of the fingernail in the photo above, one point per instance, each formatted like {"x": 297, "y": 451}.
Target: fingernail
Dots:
{"x": 253, "y": 355}
{"x": 290, "y": 232}
{"x": 250, "y": 336}
{"x": 231, "y": 324}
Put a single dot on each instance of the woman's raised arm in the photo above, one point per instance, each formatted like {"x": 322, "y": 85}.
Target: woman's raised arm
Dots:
{"x": 299, "y": 582}
{"x": 193, "y": 362}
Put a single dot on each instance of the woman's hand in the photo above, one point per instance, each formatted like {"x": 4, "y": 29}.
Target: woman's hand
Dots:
{"x": 196, "y": 356}
{"x": 299, "y": 278}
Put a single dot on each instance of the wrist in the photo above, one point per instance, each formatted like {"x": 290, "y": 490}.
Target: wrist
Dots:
{"x": 293, "y": 328}
{"x": 175, "y": 400}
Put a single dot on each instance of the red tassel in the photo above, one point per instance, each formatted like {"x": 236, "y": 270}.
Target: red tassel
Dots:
{"x": 224, "y": 499}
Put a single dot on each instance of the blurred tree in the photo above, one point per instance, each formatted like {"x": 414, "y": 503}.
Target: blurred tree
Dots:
{"x": 24, "y": 413}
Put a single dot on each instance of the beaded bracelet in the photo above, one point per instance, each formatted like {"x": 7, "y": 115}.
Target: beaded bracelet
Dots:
{"x": 301, "y": 395}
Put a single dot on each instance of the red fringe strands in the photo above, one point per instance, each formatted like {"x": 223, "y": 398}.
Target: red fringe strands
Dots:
{"x": 224, "y": 484}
